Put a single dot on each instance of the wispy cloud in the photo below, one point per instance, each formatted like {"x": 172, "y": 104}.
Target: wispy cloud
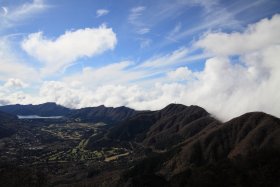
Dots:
{"x": 4, "y": 11}
{"x": 143, "y": 30}
{"x": 215, "y": 16}
{"x": 144, "y": 42}
{"x": 102, "y": 12}
{"x": 13, "y": 15}
{"x": 12, "y": 66}
{"x": 134, "y": 19}
{"x": 134, "y": 15}
{"x": 165, "y": 60}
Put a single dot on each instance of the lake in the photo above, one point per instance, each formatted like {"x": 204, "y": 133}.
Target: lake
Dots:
{"x": 38, "y": 117}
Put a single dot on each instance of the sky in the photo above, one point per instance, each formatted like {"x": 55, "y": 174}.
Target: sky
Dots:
{"x": 223, "y": 55}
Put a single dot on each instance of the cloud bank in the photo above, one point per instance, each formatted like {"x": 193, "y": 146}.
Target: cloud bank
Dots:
{"x": 241, "y": 75}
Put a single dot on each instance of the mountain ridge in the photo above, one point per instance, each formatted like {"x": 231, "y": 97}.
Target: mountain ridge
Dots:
{"x": 248, "y": 134}
{"x": 100, "y": 113}
{"x": 175, "y": 145}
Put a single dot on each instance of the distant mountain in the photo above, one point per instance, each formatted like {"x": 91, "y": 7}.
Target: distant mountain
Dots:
{"x": 101, "y": 113}
{"x": 46, "y": 109}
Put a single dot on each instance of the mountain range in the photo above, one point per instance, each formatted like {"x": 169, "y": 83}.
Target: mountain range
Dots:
{"x": 181, "y": 143}
{"x": 101, "y": 113}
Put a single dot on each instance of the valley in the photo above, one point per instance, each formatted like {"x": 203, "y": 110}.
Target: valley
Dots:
{"x": 60, "y": 150}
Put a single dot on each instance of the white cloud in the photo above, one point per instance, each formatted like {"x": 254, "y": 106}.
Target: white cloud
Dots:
{"x": 116, "y": 73}
{"x": 173, "y": 58}
{"x": 15, "y": 75}
{"x": 135, "y": 13}
{"x": 5, "y": 11}
{"x": 15, "y": 83}
{"x": 145, "y": 42}
{"x": 226, "y": 87}
{"x": 61, "y": 93}
{"x": 214, "y": 16}
{"x": 13, "y": 15}
{"x": 27, "y": 9}
{"x": 175, "y": 30}
{"x": 181, "y": 74}
{"x": 228, "y": 90}
{"x": 255, "y": 37}
{"x": 208, "y": 5}
{"x": 102, "y": 12}
{"x": 11, "y": 94}
{"x": 134, "y": 18}
{"x": 143, "y": 30}
{"x": 67, "y": 95}
{"x": 14, "y": 67}
{"x": 59, "y": 53}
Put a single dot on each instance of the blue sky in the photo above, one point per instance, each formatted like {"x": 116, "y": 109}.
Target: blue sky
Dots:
{"x": 142, "y": 54}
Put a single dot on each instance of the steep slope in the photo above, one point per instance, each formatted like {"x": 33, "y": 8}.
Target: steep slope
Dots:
{"x": 101, "y": 113}
{"x": 46, "y": 109}
{"x": 238, "y": 137}
{"x": 6, "y": 118}
{"x": 164, "y": 128}
{"x": 7, "y": 124}
{"x": 134, "y": 128}
{"x": 176, "y": 123}
{"x": 241, "y": 145}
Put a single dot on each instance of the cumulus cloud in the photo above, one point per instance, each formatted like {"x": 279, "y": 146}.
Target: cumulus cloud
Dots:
{"x": 257, "y": 36}
{"x": 61, "y": 52}
{"x": 226, "y": 86}
{"x": 74, "y": 96}
{"x": 15, "y": 83}
{"x": 180, "y": 74}
{"x": 229, "y": 88}
{"x": 13, "y": 95}
{"x": 102, "y": 12}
